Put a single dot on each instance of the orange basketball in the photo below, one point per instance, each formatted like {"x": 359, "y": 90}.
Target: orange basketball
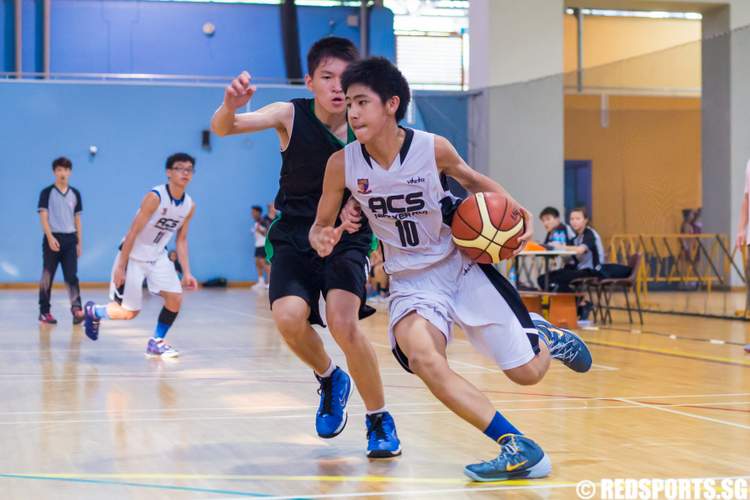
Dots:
{"x": 486, "y": 227}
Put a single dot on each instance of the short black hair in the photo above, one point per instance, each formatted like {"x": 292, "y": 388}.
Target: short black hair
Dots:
{"x": 330, "y": 47}
{"x": 256, "y": 207}
{"x": 62, "y": 162}
{"x": 550, "y": 211}
{"x": 179, "y": 157}
{"x": 581, "y": 209}
{"x": 382, "y": 77}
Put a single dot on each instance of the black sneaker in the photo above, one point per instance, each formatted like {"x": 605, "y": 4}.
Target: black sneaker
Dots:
{"x": 78, "y": 316}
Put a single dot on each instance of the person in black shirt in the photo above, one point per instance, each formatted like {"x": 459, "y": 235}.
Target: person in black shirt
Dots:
{"x": 589, "y": 258}
{"x": 558, "y": 233}
{"x": 310, "y": 131}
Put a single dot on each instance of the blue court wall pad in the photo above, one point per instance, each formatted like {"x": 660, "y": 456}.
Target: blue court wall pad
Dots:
{"x": 125, "y": 36}
{"x": 134, "y": 127}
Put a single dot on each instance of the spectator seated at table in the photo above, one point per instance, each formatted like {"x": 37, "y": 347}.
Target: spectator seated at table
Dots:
{"x": 587, "y": 262}
{"x": 558, "y": 233}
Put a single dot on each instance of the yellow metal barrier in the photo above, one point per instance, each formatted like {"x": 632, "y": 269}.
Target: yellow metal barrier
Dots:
{"x": 700, "y": 260}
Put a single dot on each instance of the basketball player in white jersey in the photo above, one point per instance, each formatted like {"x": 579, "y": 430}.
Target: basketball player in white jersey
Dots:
{"x": 260, "y": 229}
{"x": 396, "y": 176}
{"x": 165, "y": 211}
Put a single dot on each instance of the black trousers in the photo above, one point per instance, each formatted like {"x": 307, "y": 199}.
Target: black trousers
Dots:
{"x": 559, "y": 281}
{"x": 68, "y": 257}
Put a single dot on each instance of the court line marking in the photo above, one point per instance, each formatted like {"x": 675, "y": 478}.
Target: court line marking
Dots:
{"x": 116, "y": 418}
{"x": 138, "y": 485}
{"x": 685, "y": 414}
{"x": 509, "y": 485}
{"x": 241, "y": 313}
{"x": 512, "y": 485}
{"x": 672, "y": 336}
{"x": 669, "y": 352}
{"x": 394, "y": 405}
{"x": 261, "y": 477}
{"x": 128, "y": 349}
{"x": 478, "y": 489}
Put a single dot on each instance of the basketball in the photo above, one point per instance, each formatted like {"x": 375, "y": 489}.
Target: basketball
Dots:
{"x": 486, "y": 227}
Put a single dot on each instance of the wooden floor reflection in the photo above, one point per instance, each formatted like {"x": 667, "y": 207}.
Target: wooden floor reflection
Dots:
{"x": 234, "y": 416}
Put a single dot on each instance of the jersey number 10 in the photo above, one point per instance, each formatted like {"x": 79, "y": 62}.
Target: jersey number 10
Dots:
{"x": 407, "y": 232}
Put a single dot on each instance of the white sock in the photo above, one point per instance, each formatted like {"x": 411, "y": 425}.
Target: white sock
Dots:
{"x": 381, "y": 410}
{"x": 328, "y": 372}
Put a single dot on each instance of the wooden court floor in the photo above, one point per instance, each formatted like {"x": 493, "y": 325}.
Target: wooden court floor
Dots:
{"x": 234, "y": 416}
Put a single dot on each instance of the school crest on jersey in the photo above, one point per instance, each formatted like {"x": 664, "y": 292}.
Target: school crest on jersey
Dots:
{"x": 363, "y": 186}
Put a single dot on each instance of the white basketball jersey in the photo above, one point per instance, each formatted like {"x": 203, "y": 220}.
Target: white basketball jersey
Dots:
{"x": 152, "y": 241}
{"x": 260, "y": 238}
{"x": 403, "y": 203}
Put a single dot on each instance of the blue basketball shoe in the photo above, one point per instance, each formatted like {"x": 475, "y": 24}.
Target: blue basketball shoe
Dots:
{"x": 564, "y": 345}
{"x": 157, "y": 348}
{"x": 90, "y": 321}
{"x": 382, "y": 439}
{"x": 334, "y": 394}
{"x": 519, "y": 458}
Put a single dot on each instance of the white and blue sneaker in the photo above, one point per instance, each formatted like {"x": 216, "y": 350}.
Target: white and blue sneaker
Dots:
{"x": 519, "y": 458}
{"x": 334, "y": 392}
{"x": 157, "y": 348}
{"x": 382, "y": 439}
{"x": 564, "y": 345}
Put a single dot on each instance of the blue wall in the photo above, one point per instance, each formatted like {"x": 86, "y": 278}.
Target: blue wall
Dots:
{"x": 447, "y": 114}
{"x": 135, "y": 128}
{"x": 6, "y": 36}
{"x": 121, "y": 36}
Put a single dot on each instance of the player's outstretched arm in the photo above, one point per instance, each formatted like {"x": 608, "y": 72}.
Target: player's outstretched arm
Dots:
{"x": 323, "y": 235}
{"x": 148, "y": 206}
{"x": 182, "y": 252}
{"x": 226, "y": 121}
{"x": 449, "y": 162}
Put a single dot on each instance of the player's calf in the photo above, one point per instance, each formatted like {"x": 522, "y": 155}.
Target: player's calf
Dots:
{"x": 94, "y": 313}
{"x": 532, "y": 372}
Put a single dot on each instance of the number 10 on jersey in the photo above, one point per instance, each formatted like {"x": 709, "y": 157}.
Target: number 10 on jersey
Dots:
{"x": 407, "y": 232}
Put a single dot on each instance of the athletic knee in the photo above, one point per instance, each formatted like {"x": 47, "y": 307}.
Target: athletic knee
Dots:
{"x": 343, "y": 328}
{"x": 427, "y": 365}
{"x": 525, "y": 375}
{"x": 289, "y": 321}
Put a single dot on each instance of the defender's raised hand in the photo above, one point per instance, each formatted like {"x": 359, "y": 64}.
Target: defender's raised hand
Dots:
{"x": 239, "y": 92}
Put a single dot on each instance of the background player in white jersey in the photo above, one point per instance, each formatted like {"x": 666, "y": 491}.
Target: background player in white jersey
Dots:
{"x": 165, "y": 210}
{"x": 260, "y": 229}
{"x": 395, "y": 175}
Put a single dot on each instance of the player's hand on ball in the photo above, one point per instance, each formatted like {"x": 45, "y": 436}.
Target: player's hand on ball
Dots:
{"x": 239, "y": 92}
{"x": 528, "y": 225}
{"x": 351, "y": 215}
{"x": 189, "y": 282}
{"x": 119, "y": 277}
